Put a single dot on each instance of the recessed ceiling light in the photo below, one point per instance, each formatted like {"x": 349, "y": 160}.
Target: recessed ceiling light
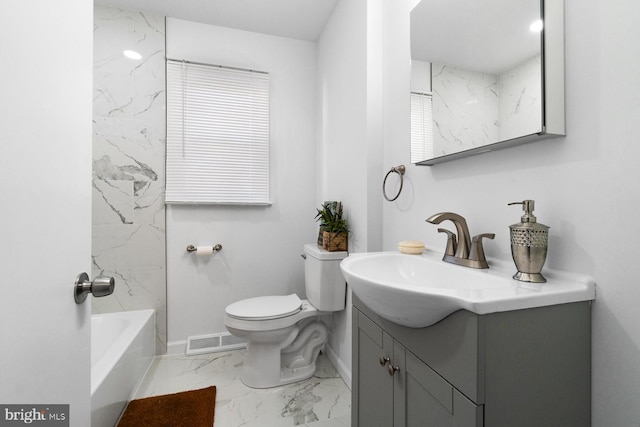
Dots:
{"x": 132, "y": 54}
{"x": 536, "y": 27}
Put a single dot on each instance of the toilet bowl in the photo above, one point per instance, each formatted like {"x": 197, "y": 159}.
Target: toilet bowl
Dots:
{"x": 284, "y": 333}
{"x": 282, "y": 346}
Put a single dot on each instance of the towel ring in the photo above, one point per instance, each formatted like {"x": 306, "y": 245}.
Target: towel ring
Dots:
{"x": 400, "y": 171}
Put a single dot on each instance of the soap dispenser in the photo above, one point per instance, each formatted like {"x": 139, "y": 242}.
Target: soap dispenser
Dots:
{"x": 529, "y": 245}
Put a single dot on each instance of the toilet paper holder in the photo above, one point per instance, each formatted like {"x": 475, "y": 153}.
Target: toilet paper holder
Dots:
{"x": 192, "y": 248}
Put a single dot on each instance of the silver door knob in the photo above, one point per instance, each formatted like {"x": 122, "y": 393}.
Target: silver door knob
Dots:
{"x": 100, "y": 287}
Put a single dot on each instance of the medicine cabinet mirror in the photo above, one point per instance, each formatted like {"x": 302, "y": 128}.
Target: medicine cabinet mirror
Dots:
{"x": 485, "y": 74}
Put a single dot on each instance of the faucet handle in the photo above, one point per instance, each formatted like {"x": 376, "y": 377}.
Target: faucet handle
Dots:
{"x": 478, "y": 238}
{"x": 477, "y": 250}
{"x": 452, "y": 243}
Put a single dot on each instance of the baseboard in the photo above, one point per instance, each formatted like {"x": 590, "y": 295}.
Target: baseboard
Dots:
{"x": 177, "y": 347}
{"x": 342, "y": 369}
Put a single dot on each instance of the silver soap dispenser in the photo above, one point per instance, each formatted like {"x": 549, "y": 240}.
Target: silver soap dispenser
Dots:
{"x": 529, "y": 245}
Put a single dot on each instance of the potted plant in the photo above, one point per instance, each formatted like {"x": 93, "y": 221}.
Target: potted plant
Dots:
{"x": 334, "y": 230}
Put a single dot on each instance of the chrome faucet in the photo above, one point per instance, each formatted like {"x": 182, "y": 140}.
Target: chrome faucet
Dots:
{"x": 461, "y": 249}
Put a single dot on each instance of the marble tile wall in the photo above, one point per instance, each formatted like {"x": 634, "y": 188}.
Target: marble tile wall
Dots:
{"x": 465, "y": 109}
{"x": 128, "y": 230}
{"x": 520, "y": 105}
{"x": 472, "y": 109}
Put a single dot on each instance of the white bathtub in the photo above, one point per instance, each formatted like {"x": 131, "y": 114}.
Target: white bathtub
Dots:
{"x": 122, "y": 349}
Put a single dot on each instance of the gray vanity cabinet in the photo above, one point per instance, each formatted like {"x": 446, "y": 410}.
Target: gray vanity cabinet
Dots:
{"x": 395, "y": 388}
{"x": 520, "y": 368}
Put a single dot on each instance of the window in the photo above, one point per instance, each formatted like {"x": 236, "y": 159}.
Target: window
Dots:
{"x": 421, "y": 127}
{"x": 217, "y": 134}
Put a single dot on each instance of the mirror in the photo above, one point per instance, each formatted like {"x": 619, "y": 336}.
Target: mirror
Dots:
{"x": 485, "y": 74}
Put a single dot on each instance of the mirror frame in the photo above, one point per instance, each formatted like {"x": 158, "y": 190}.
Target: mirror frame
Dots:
{"x": 553, "y": 115}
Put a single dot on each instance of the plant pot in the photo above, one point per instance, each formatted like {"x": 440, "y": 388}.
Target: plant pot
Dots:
{"x": 320, "y": 236}
{"x": 333, "y": 242}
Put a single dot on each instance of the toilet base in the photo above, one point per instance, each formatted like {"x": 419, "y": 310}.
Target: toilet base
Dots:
{"x": 269, "y": 365}
{"x": 287, "y": 376}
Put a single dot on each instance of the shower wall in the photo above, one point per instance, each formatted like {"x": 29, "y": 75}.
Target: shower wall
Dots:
{"x": 128, "y": 225}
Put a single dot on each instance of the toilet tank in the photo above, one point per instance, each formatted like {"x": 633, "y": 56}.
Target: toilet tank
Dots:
{"x": 324, "y": 283}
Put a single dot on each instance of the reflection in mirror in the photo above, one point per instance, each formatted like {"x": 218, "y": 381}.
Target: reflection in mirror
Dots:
{"x": 478, "y": 76}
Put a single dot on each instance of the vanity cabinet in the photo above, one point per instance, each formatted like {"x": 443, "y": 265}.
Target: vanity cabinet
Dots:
{"x": 522, "y": 368}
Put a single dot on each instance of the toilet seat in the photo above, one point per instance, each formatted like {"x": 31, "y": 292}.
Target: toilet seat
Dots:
{"x": 265, "y": 308}
{"x": 283, "y": 321}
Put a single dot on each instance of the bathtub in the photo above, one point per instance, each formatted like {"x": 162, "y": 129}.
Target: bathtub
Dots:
{"x": 122, "y": 349}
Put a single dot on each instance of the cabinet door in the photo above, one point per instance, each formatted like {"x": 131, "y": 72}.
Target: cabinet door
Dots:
{"x": 430, "y": 401}
{"x": 372, "y": 403}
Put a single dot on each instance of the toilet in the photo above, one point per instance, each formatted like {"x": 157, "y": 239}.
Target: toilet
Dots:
{"x": 284, "y": 333}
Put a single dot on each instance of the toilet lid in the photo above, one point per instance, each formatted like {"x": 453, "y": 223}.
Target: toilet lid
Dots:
{"x": 264, "y": 308}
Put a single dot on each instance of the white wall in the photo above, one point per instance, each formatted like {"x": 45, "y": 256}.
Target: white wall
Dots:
{"x": 420, "y": 76}
{"x": 342, "y": 115}
{"x": 586, "y": 185}
{"x": 261, "y": 245}
{"x": 350, "y": 137}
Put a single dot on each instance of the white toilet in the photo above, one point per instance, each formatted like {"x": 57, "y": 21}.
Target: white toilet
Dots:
{"x": 284, "y": 334}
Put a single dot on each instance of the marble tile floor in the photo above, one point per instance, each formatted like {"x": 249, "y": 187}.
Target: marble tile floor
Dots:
{"x": 323, "y": 400}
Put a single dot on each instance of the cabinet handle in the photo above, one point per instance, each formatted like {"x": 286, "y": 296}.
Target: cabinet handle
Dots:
{"x": 384, "y": 360}
{"x": 393, "y": 369}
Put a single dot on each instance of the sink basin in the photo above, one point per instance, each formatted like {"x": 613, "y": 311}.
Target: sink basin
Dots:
{"x": 420, "y": 290}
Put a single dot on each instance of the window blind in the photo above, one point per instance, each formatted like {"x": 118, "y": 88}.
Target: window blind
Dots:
{"x": 217, "y": 134}
{"x": 421, "y": 127}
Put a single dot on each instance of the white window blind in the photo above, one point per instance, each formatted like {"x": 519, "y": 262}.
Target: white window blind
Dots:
{"x": 217, "y": 134}
{"x": 421, "y": 127}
